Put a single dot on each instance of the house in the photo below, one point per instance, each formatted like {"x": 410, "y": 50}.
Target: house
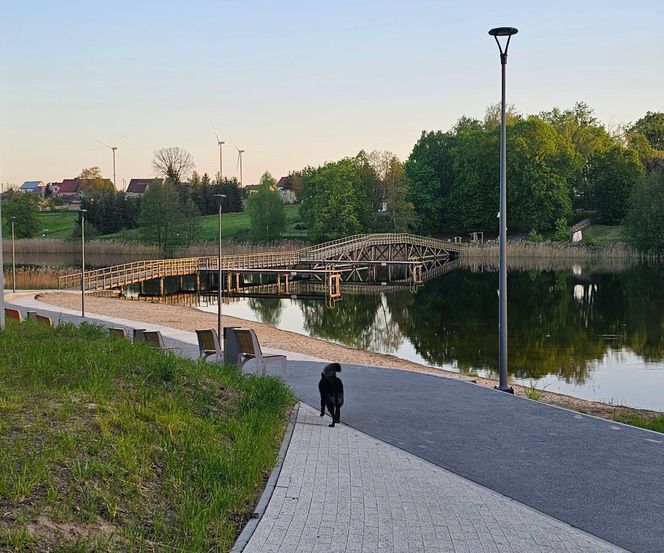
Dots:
{"x": 69, "y": 190}
{"x": 33, "y": 187}
{"x": 137, "y": 187}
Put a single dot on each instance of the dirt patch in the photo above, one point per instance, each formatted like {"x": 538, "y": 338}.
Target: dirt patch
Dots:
{"x": 189, "y": 319}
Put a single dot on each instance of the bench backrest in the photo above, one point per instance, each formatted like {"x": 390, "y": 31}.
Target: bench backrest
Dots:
{"x": 154, "y": 338}
{"x": 119, "y": 332}
{"x": 246, "y": 341}
{"x": 13, "y": 314}
{"x": 207, "y": 340}
{"x": 44, "y": 319}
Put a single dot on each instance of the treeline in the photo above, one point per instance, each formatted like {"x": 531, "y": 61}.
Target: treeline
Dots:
{"x": 560, "y": 164}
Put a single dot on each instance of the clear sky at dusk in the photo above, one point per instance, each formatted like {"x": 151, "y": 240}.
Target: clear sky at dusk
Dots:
{"x": 298, "y": 83}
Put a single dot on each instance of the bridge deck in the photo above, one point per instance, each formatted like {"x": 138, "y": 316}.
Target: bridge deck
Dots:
{"x": 359, "y": 249}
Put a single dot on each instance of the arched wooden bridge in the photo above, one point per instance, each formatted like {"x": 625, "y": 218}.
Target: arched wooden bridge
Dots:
{"x": 355, "y": 258}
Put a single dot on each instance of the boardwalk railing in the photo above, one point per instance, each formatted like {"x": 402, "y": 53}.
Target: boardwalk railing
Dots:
{"x": 129, "y": 273}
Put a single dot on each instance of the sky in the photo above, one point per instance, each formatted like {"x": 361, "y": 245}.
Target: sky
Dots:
{"x": 298, "y": 83}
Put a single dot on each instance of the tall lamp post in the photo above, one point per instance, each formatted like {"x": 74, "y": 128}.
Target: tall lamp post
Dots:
{"x": 13, "y": 219}
{"x": 502, "y": 278}
{"x": 83, "y": 212}
{"x": 220, "y": 200}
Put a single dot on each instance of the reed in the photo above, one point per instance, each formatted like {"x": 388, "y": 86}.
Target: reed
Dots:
{"x": 95, "y": 247}
{"x": 231, "y": 247}
{"x": 35, "y": 278}
{"x": 549, "y": 250}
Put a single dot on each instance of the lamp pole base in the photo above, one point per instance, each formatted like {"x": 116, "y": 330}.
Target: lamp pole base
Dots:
{"x": 507, "y": 389}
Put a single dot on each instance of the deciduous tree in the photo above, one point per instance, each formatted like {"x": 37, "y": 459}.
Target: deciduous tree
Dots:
{"x": 266, "y": 211}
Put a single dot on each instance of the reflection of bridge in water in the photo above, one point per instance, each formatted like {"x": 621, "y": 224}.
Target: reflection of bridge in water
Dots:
{"x": 368, "y": 263}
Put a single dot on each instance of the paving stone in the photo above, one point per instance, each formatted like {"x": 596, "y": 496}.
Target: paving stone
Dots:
{"x": 342, "y": 490}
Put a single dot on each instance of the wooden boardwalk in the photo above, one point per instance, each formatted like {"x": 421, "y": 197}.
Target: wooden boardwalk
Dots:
{"x": 397, "y": 248}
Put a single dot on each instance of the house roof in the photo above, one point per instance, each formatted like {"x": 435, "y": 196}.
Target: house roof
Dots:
{"x": 32, "y": 185}
{"x": 138, "y": 186}
{"x": 283, "y": 181}
{"x": 69, "y": 186}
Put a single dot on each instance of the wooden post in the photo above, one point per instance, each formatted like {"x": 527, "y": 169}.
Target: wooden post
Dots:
{"x": 161, "y": 286}
{"x": 287, "y": 287}
{"x": 198, "y": 281}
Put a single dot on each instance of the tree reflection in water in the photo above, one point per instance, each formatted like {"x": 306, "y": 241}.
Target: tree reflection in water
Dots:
{"x": 559, "y": 322}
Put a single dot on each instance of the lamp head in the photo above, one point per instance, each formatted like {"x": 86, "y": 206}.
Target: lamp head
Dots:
{"x": 503, "y": 31}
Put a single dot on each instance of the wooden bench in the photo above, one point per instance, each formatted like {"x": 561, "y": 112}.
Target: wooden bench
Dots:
{"x": 118, "y": 332}
{"x": 44, "y": 319}
{"x": 208, "y": 343}
{"x": 13, "y": 314}
{"x": 156, "y": 340}
{"x": 249, "y": 349}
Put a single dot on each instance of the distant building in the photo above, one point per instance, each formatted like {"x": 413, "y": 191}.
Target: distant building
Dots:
{"x": 33, "y": 187}
{"x": 285, "y": 183}
{"x": 137, "y": 187}
{"x": 69, "y": 190}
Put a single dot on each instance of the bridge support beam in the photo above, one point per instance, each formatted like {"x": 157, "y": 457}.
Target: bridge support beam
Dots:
{"x": 161, "y": 287}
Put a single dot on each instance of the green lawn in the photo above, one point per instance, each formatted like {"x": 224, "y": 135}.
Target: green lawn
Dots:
{"x": 56, "y": 224}
{"x": 234, "y": 225}
{"x": 108, "y": 445}
{"x": 603, "y": 234}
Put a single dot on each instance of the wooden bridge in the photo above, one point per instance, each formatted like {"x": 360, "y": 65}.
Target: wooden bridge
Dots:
{"x": 355, "y": 258}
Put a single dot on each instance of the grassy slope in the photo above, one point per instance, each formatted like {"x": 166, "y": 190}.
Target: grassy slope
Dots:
{"x": 234, "y": 225}
{"x": 59, "y": 223}
{"x": 108, "y": 445}
{"x": 603, "y": 234}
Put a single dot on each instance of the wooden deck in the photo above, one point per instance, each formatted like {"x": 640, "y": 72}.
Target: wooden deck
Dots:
{"x": 397, "y": 248}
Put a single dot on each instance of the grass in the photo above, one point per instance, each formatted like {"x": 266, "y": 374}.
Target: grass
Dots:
{"x": 106, "y": 445}
{"x": 234, "y": 225}
{"x": 35, "y": 278}
{"x": 57, "y": 224}
{"x": 655, "y": 423}
{"x": 532, "y": 392}
{"x": 603, "y": 234}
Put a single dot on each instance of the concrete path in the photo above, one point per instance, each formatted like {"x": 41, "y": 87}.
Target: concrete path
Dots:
{"x": 604, "y": 478}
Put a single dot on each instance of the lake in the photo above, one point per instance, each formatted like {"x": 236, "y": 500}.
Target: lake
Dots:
{"x": 593, "y": 333}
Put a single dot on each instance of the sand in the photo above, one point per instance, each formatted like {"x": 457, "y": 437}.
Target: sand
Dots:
{"x": 189, "y": 319}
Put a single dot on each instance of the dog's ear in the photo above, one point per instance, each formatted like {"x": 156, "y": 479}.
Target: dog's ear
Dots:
{"x": 336, "y": 367}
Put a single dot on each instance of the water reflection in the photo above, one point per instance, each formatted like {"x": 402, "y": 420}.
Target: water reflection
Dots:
{"x": 568, "y": 327}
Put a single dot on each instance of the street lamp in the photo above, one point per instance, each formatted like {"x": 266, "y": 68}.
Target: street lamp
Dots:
{"x": 502, "y": 278}
{"x": 220, "y": 200}
{"x": 13, "y": 219}
{"x": 83, "y": 212}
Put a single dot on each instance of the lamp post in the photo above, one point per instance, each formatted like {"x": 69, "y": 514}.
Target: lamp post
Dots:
{"x": 13, "y": 219}
{"x": 220, "y": 200}
{"x": 83, "y": 212}
{"x": 502, "y": 278}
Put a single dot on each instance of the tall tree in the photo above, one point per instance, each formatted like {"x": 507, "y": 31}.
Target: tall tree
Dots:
{"x": 266, "y": 211}
{"x": 392, "y": 211}
{"x": 174, "y": 164}
{"x": 613, "y": 175}
{"x": 24, "y": 208}
{"x": 429, "y": 172}
{"x": 93, "y": 183}
{"x": 644, "y": 224}
{"x": 651, "y": 125}
{"x": 162, "y": 217}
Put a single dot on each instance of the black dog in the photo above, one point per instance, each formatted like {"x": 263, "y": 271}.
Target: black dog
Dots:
{"x": 331, "y": 392}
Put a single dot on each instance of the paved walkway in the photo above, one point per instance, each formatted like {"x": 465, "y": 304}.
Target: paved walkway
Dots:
{"x": 342, "y": 490}
{"x": 412, "y": 466}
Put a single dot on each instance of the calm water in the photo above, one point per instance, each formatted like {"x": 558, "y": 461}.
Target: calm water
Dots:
{"x": 594, "y": 334}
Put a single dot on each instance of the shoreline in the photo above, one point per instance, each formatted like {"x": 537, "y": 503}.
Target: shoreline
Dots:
{"x": 189, "y": 319}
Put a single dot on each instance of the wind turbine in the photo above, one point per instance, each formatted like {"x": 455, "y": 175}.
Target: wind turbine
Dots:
{"x": 113, "y": 148}
{"x": 239, "y": 160}
{"x": 220, "y": 143}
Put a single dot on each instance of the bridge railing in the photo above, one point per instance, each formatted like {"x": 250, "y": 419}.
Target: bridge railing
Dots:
{"x": 120, "y": 275}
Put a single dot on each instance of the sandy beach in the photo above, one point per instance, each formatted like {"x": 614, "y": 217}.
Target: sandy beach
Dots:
{"x": 189, "y": 319}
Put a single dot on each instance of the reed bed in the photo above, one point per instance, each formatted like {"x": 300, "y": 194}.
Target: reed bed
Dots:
{"x": 603, "y": 264}
{"x": 231, "y": 247}
{"x": 94, "y": 247}
{"x": 551, "y": 250}
{"x": 35, "y": 278}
